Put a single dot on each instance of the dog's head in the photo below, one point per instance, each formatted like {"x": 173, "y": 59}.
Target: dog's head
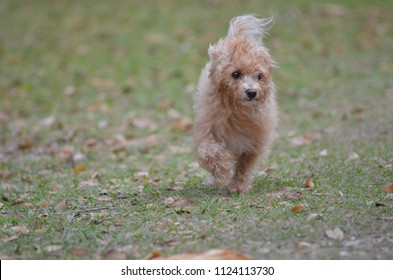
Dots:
{"x": 240, "y": 71}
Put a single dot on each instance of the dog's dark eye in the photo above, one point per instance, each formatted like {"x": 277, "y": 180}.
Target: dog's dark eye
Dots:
{"x": 236, "y": 75}
{"x": 259, "y": 76}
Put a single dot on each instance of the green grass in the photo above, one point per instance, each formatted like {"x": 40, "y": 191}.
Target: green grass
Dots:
{"x": 130, "y": 69}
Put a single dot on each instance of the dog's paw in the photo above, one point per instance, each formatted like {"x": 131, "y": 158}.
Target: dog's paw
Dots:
{"x": 238, "y": 188}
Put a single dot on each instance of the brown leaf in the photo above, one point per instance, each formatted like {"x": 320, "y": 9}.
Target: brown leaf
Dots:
{"x": 104, "y": 198}
{"x": 309, "y": 184}
{"x": 278, "y": 194}
{"x": 65, "y": 153}
{"x": 17, "y": 202}
{"x": 213, "y": 254}
{"x": 353, "y": 156}
{"x": 20, "y": 229}
{"x": 335, "y": 234}
{"x": 99, "y": 214}
{"x": 9, "y": 239}
{"x": 25, "y": 144}
{"x": 388, "y": 188}
{"x": 80, "y": 252}
{"x": 304, "y": 244}
{"x": 294, "y": 196}
{"x": 43, "y": 229}
{"x": 169, "y": 200}
{"x": 79, "y": 168}
{"x": 28, "y": 205}
{"x": 144, "y": 124}
{"x": 44, "y": 203}
{"x": 297, "y": 208}
{"x": 1, "y": 205}
{"x": 62, "y": 206}
{"x": 114, "y": 254}
{"x": 175, "y": 187}
{"x": 183, "y": 202}
{"x": 182, "y": 124}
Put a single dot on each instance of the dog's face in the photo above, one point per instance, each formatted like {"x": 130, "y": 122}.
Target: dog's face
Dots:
{"x": 241, "y": 71}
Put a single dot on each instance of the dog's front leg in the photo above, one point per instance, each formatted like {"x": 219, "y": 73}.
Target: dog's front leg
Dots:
{"x": 243, "y": 171}
{"x": 215, "y": 158}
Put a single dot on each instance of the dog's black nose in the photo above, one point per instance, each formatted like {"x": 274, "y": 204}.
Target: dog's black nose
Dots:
{"x": 251, "y": 93}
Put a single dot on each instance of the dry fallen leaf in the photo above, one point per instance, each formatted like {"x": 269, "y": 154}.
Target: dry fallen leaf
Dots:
{"x": 213, "y": 254}
{"x": 28, "y": 205}
{"x": 25, "y": 144}
{"x": 43, "y": 229}
{"x": 297, "y": 208}
{"x": 114, "y": 254}
{"x": 175, "y": 187}
{"x": 182, "y": 124}
{"x": 388, "y": 188}
{"x": 323, "y": 153}
{"x": 144, "y": 124}
{"x": 9, "y": 239}
{"x": 99, "y": 214}
{"x": 353, "y": 156}
{"x": 335, "y": 234}
{"x": 65, "y": 153}
{"x": 313, "y": 216}
{"x": 304, "y": 244}
{"x": 182, "y": 202}
{"x": 20, "y": 229}
{"x": 17, "y": 202}
{"x": 80, "y": 252}
{"x": 169, "y": 200}
{"x": 278, "y": 194}
{"x": 62, "y": 206}
{"x": 308, "y": 184}
{"x": 294, "y": 196}
{"x": 1, "y": 205}
{"x": 79, "y": 168}
{"x": 44, "y": 203}
{"x": 52, "y": 248}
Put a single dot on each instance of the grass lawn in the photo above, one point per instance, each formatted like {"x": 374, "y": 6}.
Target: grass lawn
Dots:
{"x": 96, "y": 117}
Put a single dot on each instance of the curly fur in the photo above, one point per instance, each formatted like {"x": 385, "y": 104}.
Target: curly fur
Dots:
{"x": 235, "y": 116}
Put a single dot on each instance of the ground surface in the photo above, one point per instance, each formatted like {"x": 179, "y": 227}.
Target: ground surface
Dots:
{"x": 95, "y": 132}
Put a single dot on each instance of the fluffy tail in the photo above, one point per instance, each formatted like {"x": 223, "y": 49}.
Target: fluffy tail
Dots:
{"x": 249, "y": 26}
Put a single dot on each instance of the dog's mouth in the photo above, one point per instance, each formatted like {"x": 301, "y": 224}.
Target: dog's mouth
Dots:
{"x": 250, "y": 102}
